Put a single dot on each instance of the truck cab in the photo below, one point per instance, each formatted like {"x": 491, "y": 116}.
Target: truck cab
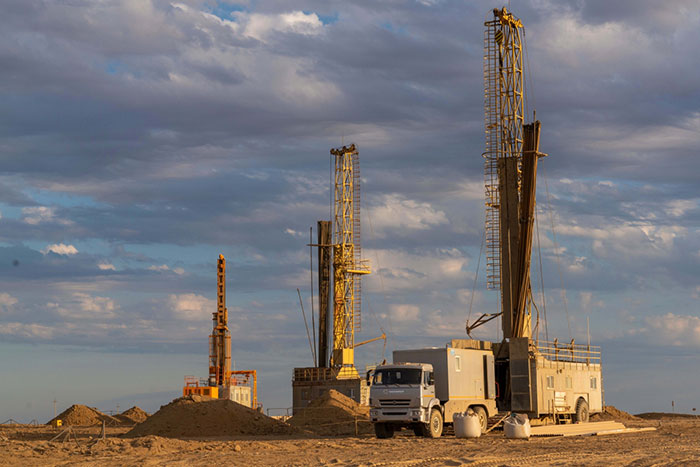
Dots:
{"x": 403, "y": 395}
{"x": 424, "y": 389}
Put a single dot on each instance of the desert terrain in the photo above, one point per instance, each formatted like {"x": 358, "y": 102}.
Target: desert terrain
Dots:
{"x": 676, "y": 441}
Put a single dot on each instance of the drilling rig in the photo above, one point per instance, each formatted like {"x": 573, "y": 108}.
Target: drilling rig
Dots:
{"x": 551, "y": 381}
{"x": 239, "y": 386}
{"x": 339, "y": 246}
{"x": 540, "y": 378}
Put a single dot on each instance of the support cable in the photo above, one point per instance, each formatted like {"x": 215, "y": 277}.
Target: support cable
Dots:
{"x": 476, "y": 276}
{"x": 556, "y": 253}
{"x": 544, "y": 300}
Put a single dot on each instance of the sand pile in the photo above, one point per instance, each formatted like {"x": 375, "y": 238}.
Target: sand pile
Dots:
{"x": 197, "y": 416}
{"x": 333, "y": 414}
{"x": 81, "y": 415}
{"x": 612, "y": 413}
{"x": 132, "y": 416}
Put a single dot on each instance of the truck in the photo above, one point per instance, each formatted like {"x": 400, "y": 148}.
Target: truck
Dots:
{"x": 423, "y": 389}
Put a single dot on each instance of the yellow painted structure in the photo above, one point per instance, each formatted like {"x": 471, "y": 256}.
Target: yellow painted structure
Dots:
{"x": 347, "y": 262}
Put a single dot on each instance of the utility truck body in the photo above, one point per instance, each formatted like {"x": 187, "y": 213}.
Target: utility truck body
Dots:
{"x": 424, "y": 388}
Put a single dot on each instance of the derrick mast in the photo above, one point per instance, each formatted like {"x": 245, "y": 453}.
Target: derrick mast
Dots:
{"x": 510, "y": 168}
{"x": 220, "y": 338}
{"x": 347, "y": 262}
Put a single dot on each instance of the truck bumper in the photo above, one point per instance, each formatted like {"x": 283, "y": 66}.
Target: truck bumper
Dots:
{"x": 404, "y": 415}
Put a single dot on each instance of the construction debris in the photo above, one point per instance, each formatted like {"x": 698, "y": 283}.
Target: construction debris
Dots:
{"x": 197, "y": 416}
{"x": 333, "y": 414}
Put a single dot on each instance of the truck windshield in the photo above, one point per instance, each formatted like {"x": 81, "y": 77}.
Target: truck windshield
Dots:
{"x": 397, "y": 376}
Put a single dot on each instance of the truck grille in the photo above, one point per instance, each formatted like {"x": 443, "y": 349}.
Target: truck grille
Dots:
{"x": 395, "y": 402}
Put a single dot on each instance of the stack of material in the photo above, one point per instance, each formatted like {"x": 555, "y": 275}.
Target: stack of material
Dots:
{"x": 333, "y": 414}
{"x": 585, "y": 429}
{"x": 132, "y": 416}
{"x": 81, "y": 415}
{"x": 198, "y": 416}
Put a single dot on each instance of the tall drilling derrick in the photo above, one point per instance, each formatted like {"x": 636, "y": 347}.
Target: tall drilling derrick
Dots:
{"x": 220, "y": 338}
{"x": 347, "y": 262}
{"x": 510, "y": 169}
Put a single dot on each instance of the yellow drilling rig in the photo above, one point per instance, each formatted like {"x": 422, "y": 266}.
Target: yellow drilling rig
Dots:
{"x": 239, "y": 386}
{"x": 339, "y": 246}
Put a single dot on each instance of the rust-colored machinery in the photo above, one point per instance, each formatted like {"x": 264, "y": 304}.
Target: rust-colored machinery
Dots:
{"x": 239, "y": 386}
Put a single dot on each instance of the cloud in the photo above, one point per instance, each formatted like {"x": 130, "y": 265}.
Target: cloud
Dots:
{"x": 60, "y": 249}
{"x": 84, "y": 306}
{"x": 260, "y": 26}
{"x": 36, "y": 215}
{"x": 27, "y": 331}
{"x": 191, "y": 307}
{"x": 164, "y": 267}
{"x": 7, "y": 301}
{"x": 106, "y": 267}
{"x": 404, "y": 312}
{"x": 673, "y": 329}
{"x": 397, "y": 214}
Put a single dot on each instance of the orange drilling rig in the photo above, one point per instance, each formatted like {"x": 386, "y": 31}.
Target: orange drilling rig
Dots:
{"x": 238, "y": 386}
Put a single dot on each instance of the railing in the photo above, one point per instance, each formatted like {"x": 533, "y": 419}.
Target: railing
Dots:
{"x": 568, "y": 352}
{"x": 314, "y": 374}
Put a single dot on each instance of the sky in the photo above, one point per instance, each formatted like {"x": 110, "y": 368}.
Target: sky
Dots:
{"x": 139, "y": 139}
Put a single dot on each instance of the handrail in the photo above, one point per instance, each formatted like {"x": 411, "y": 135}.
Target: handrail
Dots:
{"x": 568, "y": 352}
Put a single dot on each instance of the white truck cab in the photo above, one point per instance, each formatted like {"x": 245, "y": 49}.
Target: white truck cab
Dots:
{"x": 424, "y": 388}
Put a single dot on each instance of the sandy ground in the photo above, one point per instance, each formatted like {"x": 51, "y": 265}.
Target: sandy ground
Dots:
{"x": 675, "y": 442}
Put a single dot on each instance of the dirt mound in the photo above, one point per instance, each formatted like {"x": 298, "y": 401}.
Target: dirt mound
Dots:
{"x": 333, "y": 414}
{"x": 612, "y": 413}
{"x": 660, "y": 415}
{"x": 197, "y": 416}
{"x": 82, "y": 415}
{"x": 132, "y": 416}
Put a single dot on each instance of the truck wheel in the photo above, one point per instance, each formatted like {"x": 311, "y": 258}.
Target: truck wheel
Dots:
{"x": 433, "y": 429}
{"x": 581, "y": 415}
{"x": 383, "y": 430}
{"x": 483, "y": 419}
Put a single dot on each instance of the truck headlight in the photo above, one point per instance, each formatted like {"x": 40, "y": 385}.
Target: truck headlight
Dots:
{"x": 374, "y": 413}
{"x": 415, "y": 413}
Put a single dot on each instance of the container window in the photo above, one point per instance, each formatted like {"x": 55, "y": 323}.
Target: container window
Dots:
{"x": 458, "y": 363}
{"x": 550, "y": 382}
{"x": 594, "y": 383}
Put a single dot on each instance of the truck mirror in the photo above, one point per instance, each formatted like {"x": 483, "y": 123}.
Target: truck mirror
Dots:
{"x": 369, "y": 383}
{"x": 368, "y": 376}
{"x": 431, "y": 379}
